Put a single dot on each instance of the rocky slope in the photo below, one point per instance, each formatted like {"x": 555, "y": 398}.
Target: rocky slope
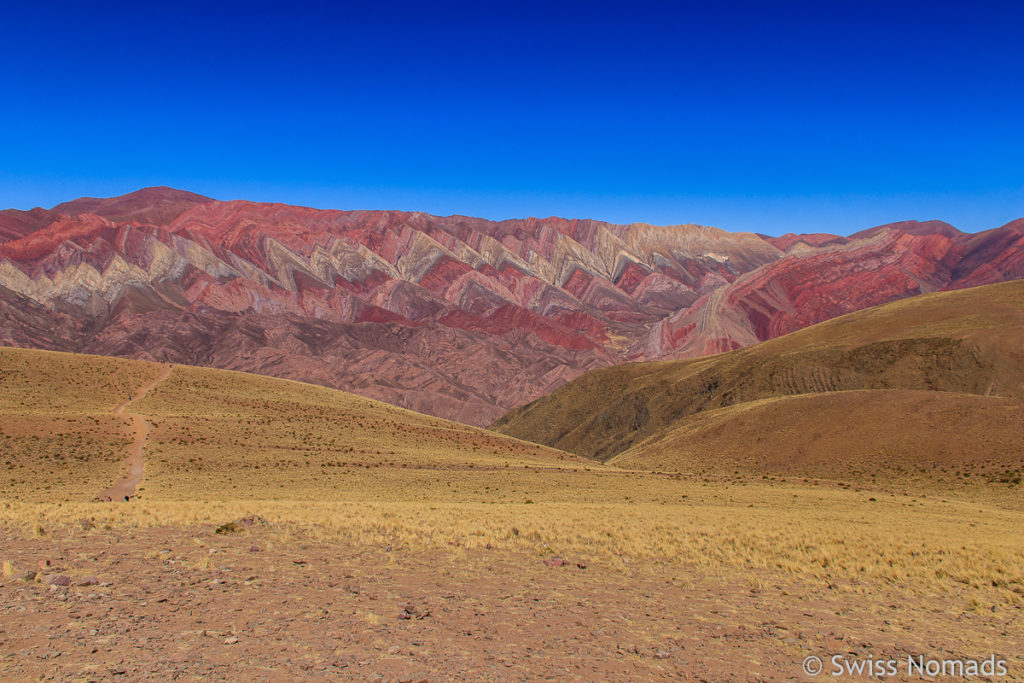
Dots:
{"x": 458, "y": 317}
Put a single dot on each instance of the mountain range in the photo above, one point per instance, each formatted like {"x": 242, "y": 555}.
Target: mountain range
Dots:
{"x": 458, "y": 317}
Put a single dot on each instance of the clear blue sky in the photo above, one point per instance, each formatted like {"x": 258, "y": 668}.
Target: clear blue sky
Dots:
{"x": 768, "y": 116}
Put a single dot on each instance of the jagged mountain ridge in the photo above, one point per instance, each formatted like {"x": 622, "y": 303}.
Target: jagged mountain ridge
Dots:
{"x": 454, "y": 316}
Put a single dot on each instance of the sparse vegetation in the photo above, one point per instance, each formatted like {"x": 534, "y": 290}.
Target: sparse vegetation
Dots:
{"x": 329, "y": 465}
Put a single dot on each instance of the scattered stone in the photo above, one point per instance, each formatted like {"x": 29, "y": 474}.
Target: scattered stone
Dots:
{"x": 410, "y": 611}
{"x": 89, "y": 581}
{"x": 58, "y": 580}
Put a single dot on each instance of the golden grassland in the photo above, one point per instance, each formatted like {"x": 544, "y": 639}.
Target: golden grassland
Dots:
{"x": 79, "y": 454}
{"x": 922, "y": 441}
{"x": 322, "y": 463}
{"x": 58, "y": 437}
{"x": 216, "y": 434}
{"x": 219, "y": 434}
{"x": 53, "y": 383}
{"x": 818, "y": 534}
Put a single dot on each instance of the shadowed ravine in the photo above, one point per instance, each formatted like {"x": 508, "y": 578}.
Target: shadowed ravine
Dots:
{"x": 125, "y": 486}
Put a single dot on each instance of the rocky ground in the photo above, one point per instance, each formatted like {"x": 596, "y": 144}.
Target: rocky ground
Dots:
{"x": 265, "y": 603}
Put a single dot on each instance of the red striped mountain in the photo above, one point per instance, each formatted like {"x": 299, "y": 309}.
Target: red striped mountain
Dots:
{"x": 453, "y": 316}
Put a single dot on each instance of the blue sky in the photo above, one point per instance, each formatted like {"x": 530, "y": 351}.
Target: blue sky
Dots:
{"x": 769, "y": 117}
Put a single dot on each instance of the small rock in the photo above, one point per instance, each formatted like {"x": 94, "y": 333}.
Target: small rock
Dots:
{"x": 89, "y": 581}
{"x": 43, "y": 564}
{"x": 661, "y": 654}
{"x": 27, "y": 575}
{"x": 581, "y": 564}
{"x": 253, "y": 520}
{"x": 394, "y": 650}
{"x": 230, "y": 641}
{"x": 554, "y": 562}
{"x": 254, "y": 549}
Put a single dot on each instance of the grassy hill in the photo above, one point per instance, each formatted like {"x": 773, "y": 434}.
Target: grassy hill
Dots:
{"x": 922, "y": 439}
{"x": 925, "y": 383}
{"x": 217, "y": 434}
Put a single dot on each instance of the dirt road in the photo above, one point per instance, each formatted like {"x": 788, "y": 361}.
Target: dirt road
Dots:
{"x": 125, "y": 486}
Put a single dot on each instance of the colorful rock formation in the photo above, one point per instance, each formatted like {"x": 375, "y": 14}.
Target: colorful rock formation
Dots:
{"x": 453, "y": 316}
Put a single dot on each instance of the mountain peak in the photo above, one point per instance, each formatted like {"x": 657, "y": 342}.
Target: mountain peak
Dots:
{"x": 156, "y": 205}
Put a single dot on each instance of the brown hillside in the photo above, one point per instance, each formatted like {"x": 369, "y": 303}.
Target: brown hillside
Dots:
{"x": 66, "y": 427}
{"x": 917, "y": 439}
{"x": 968, "y": 341}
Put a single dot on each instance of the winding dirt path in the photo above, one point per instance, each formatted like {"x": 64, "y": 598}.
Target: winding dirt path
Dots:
{"x": 125, "y": 486}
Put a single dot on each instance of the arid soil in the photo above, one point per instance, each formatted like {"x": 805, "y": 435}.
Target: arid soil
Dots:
{"x": 267, "y": 603}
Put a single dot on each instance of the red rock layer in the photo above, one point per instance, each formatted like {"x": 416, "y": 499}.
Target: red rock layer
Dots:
{"x": 453, "y": 316}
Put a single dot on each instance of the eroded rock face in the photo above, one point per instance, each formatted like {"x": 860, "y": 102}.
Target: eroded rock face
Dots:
{"x": 809, "y": 286}
{"x": 453, "y": 316}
